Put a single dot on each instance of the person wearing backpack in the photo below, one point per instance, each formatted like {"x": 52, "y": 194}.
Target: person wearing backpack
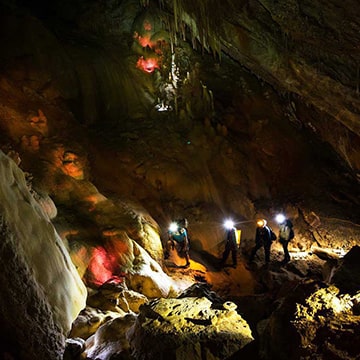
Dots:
{"x": 230, "y": 245}
{"x": 263, "y": 238}
{"x": 177, "y": 234}
{"x": 286, "y": 233}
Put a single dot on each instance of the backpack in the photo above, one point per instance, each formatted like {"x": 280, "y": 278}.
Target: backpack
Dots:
{"x": 290, "y": 225}
{"x": 272, "y": 235}
{"x": 267, "y": 234}
{"x": 231, "y": 236}
{"x": 292, "y": 234}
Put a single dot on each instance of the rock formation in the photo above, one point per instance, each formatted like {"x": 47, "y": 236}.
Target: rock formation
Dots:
{"x": 188, "y": 327}
{"x": 40, "y": 284}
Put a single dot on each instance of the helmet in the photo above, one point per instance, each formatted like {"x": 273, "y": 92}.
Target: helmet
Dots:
{"x": 261, "y": 223}
{"x": 183, "y": 222}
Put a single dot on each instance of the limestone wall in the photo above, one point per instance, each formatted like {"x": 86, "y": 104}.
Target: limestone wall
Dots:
{"x": 42, "y": 292}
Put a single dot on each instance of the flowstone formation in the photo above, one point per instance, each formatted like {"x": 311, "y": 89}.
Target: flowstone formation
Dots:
{"x": 40, "y": 284}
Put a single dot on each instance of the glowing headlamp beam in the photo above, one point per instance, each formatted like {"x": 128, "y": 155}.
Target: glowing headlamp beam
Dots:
{"x": 280, "y": 218}
{"x": 173, "y": 227}
{"x": 229, "y": 224}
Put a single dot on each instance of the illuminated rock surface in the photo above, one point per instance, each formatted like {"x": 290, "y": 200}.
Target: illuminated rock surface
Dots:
{"x": 111, "y": 339}
{"x": 188, "y": 328}
{"x": 318, "y": 322}
{"x": 39, "y": 283}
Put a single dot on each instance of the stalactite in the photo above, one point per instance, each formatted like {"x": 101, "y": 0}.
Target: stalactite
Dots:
{"x": 197, "y": 17}
{"x": 176, "y": 14}
{"x": 144, "y": 3}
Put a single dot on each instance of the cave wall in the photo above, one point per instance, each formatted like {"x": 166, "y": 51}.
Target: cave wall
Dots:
{"x": 301, "y": 48}
{"x": 97, "y": 79}
{"x": 42, "y": 292}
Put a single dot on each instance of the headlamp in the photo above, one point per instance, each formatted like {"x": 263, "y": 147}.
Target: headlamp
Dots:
{"x": 229, "y": 224}
{"x": 173, "y": 227}
{"x": 280, "y": 218}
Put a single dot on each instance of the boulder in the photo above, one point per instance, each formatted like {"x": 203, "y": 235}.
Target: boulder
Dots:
{"x": 115, "y": 296}
{"x": 188, "y": 328}
{"x": 110, "y": 340}
{"x": 89, "y": 321}
{"x": 312, "y": 320}
{"x": 347, "y": 276}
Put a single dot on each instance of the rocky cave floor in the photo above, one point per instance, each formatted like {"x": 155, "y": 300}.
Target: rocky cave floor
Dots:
{"x": 271, "y": 296}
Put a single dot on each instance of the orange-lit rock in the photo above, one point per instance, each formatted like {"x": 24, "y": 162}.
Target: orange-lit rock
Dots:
{"x": 39, "y": 122}
{"x": 148, "y": 65}
{"x": 72, "y": 166}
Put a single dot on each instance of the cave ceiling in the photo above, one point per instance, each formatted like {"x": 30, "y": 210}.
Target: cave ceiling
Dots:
{"x": 278, "y": 80}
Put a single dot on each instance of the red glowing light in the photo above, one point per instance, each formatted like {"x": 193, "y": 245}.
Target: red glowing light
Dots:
{"x": 102, "y": 265}
{"x": 148, "y": 65}
{"x": 145, "y": 41}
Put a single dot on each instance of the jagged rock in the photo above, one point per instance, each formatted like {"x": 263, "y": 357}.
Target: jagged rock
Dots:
{"x": 113, "y": 295}
{"x": 311, "y": 321}
{"x": 110, "y": 341}
{"x": 188, "y": 328}
{"x": 90, "y": 319}
{"x": 347, "y": 276}
{"x": 74, "y": 347}
{"x": 202, "y": 290}
{"x": 327, "y": 325}
{"x": 275, "y": 331}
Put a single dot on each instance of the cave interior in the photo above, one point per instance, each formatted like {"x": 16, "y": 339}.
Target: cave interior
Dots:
{"x": 118, "y": 117}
